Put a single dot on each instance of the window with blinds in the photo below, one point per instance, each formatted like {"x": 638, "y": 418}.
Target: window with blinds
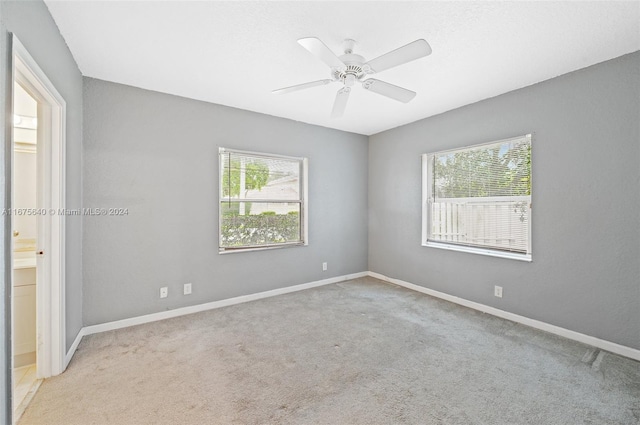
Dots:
{"x": 478, "y": 199}
{"x": 262, "y": 201}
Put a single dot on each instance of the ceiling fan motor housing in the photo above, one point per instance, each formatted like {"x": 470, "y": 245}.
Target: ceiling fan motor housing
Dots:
{"x": 355, "y": 68}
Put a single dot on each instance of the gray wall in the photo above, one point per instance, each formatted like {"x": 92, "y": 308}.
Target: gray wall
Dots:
{"x": 31, "y": 22}
{"x": 157, "y": 154}
{"x": 586, "y": 203}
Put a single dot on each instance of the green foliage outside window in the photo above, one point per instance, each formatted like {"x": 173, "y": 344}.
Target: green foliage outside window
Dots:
{"x": 263, "y": 229}
{"x": 503, "y": 170}
{"x": 242, "y": 175}
{"x": 256, "y": 176}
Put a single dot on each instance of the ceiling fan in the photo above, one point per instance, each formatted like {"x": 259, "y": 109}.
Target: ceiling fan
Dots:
{"x": 351, "y": 68}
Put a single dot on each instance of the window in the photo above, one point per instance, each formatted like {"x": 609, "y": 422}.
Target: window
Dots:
{"x": 478, "y": 199}
{"x": 262, "y": 201}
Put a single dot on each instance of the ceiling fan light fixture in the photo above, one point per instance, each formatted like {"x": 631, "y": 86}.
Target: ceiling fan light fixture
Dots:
{"x": 349, "y": 80}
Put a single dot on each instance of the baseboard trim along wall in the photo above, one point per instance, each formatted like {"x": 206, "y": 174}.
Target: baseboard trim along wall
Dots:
{"x": 73, "y": 348}
{"x": 622, "y": 350}
{"x": 154, "y": 317}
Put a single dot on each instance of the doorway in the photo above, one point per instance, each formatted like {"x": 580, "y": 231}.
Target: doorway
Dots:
{"x": 37, "y": 226}
{"x": 24, "y": 232}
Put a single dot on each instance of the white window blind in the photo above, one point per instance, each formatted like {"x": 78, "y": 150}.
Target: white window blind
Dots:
{"x": 479, "y": 197}
{"x": 262, "y": 200}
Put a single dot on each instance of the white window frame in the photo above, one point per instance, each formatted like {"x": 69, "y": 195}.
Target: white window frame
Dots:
{"x": 304, "y": 201}
{"x": 427, "y": 186}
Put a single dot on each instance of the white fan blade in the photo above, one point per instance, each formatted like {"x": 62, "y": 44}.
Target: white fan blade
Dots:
{"x": 301, "y": 87}
{"x": 341, "y": 102}
{"x": 404, "y": 54}
{"x": 321, "y": 50}
{"x": 389, "y": 90}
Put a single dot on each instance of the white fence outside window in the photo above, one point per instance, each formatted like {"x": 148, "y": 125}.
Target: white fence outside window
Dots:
{"x": 498, "y": 222}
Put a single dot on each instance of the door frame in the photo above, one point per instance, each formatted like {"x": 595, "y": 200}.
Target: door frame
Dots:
{"x": 50, "y": 266}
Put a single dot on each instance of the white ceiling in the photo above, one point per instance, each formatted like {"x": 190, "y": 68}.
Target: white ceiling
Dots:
{"x": 235, "y": 53}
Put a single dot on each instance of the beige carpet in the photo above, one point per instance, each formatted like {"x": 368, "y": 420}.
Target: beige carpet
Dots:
{"x": 359, "y": 352}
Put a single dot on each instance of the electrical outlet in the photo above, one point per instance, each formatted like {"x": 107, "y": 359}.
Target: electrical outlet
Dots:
{"x": 187, "y": 288}
{"x": 497, "y": 291}
{"x": 324, "y": 267}
{"x": 164, "y": 291}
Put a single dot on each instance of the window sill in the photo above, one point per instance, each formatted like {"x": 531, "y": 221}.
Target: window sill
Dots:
{"x": 481, "y": 251}
{"x": 223, "y": 251}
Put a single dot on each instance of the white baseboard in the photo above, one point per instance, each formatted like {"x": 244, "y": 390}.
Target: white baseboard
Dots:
{"x": 622, "y": 350}
{"x": 88, "y": 330}
{"x": 118, "y": 324}
{"x": 73, "y": 348}
{"x": 576, "y": 336}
